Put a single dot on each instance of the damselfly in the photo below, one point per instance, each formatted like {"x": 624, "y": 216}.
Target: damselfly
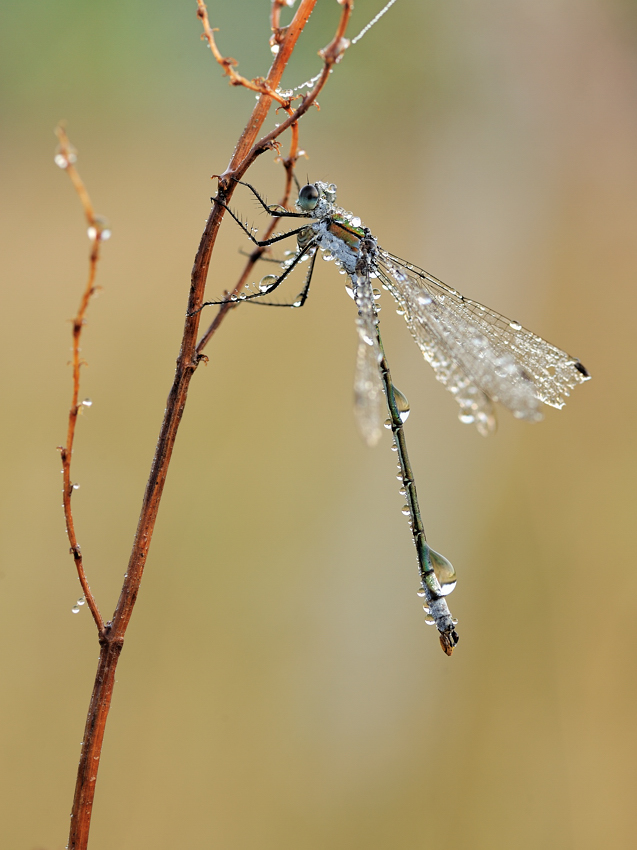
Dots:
{"x": 480, "y": 356}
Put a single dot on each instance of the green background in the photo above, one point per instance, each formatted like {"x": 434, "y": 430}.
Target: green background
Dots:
{"x": 279, "y": 688}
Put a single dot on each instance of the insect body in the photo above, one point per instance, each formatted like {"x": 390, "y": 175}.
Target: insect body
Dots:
{"x": 480, "y": 356}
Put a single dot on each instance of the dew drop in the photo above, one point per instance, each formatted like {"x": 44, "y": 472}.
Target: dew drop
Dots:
{"x": 405, "y": 510}
{"x": 402, "y": 404}
{"x": 394, "y": 447}
{"x": 274, "y": 48}
{"x": 386, "y": 424}
{"x": 402, "y": 492}
{"x": 444, "y": 571}
{"x": 76, "y": 486}
{"x": 515, "y": 325}
{"x": 466, "y": 418}
{"x": 421, "y": 591}
{"x": 87, "y": 402}
{"x": 297, "y": 303}
{"x": 75, "y": 609}
{"x": 429, "y": 619}
{"x": 356, "y": 222}
{"x": 99, "y": 229}
{"x": 266, "y": 282}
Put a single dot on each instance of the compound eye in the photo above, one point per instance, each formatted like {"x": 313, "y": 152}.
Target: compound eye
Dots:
{"x": 308, "y": 197}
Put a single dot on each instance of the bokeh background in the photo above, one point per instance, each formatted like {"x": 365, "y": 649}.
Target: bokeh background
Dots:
{"x": 279, "y": 688}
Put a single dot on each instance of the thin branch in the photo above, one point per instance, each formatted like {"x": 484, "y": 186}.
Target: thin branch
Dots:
{"x": 255, "y": 256}
{"x": 65, "y": 157}
{"x": 112, "y": 635}
{"x": 228, "y": 63}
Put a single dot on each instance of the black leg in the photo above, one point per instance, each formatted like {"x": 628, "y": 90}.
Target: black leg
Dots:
{"x": 271, "y": 209}
{"x": 273, "y": 285}
{"x": 265, "y": 242}
{"x": 300, "y": 301}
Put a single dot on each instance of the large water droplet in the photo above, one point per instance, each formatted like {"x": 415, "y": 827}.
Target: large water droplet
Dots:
{"x": 444, "y": 571}
{"x": 402, "y": 404}
{"x": 87, "y": 402}
{"x": 75, "y": 609}
{"x": 266, "y": 282}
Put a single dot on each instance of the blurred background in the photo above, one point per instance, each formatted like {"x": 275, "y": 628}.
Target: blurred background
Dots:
{"x": 279, "y": 688}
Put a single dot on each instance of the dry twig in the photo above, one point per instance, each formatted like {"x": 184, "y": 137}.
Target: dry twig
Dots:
{"x": 248, "y": 148}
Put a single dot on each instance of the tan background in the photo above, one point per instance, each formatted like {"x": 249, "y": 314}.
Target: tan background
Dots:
{"x": 279, "y": 688}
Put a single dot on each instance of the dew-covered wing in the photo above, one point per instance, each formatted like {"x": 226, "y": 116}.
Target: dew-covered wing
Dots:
{"x": 479, "y": 355}
{"x": 368, "y": 387}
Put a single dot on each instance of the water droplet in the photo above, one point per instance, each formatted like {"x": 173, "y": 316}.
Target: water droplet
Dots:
{"x": 400, "y": 312}
{"x": 444, "y": 571}
{"x": 297, "y": 303}
{"x": 405, "y": 510}
{"x": 349, "y": 289}
{"x": 328, "y": 257}
{"x": 266, "y": 282}
{"x": 515, "y": 325}
{"x": 75, "y": 609}
{"x": 466, "y": 418}
{"x": 99, "y": 229}
{"x": 76, "y": 486}
{"x": 394, "y": 447}
{"x": 386, "y": 424}
{"x": 356, "y": 222}
{"x": 87, "y": 402}
{"x": 402, "y": 404}
{"x": 402, "y": 492}
{"x": 274, "y": 49}
{"x": 81, "y": 601}
{"x": 429, "y": 618}
{"x": 421, "y": 591}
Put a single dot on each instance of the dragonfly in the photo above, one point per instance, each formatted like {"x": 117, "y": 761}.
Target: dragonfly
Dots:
{"x": 481, "y": 357}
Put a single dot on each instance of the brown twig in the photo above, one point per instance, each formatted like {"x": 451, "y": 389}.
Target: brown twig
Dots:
{"x": 65, "y": 157}
{"x": 111, "y": 635}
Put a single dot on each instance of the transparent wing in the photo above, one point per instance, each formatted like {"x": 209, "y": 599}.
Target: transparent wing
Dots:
{"x": 369, "y": 398}
{"x": 479, "y": 355}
